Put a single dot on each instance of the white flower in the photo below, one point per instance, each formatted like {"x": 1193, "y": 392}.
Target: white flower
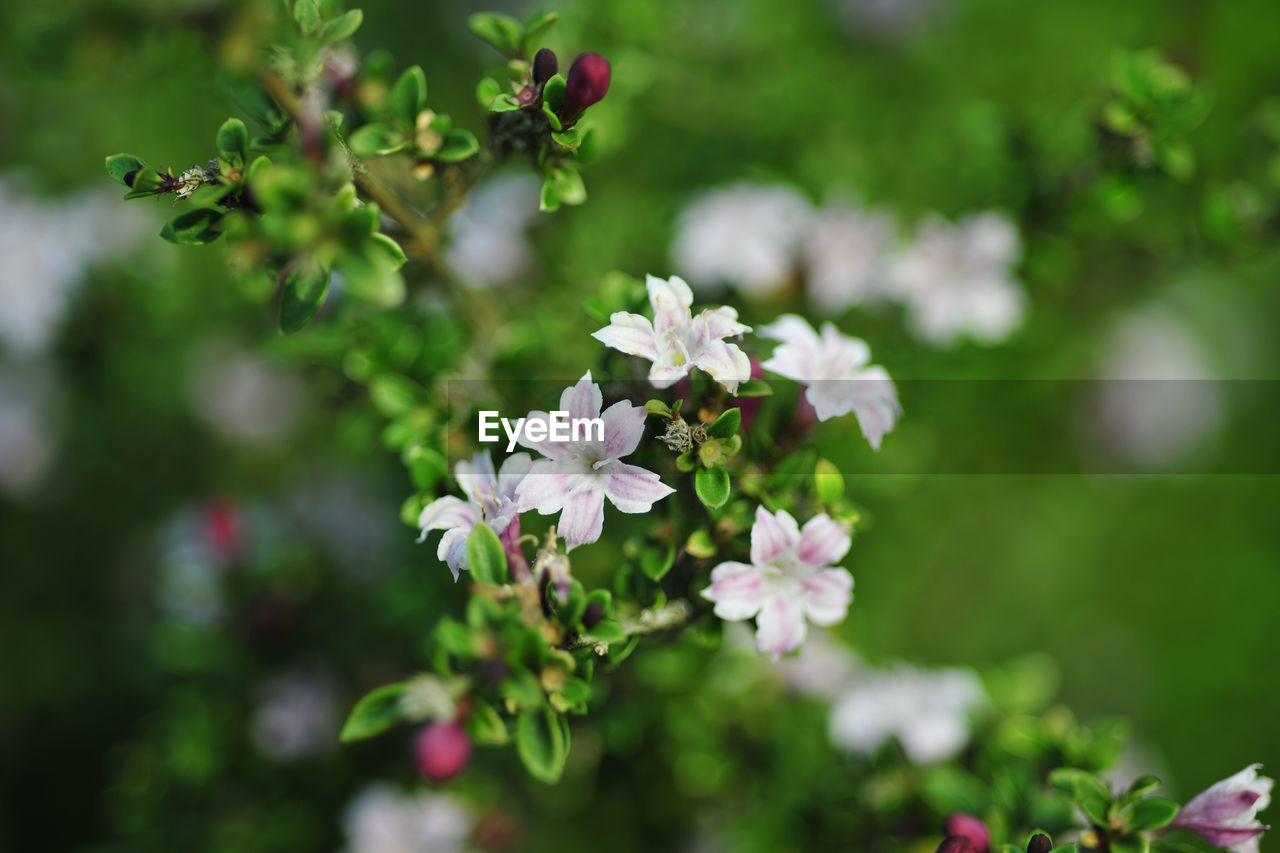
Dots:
{"x": 956, "y": 279}
{"x": 745, "y": 235}
{"x": 245, "y": 398}
{"x": 296, "y": 716}
{"x": 1226, "y": 813}
{"x": 676, "y": 341}
{"x": 577, "y": 476}
{"x": 845, "y": 255}
{"x": 382, "y": 820}
{"x": 834, "y": 369}
{"x": 928, "y": 712}
{"x": 491, "y": 498}
{"x": 789, "y": 579}
{"x": 487, "y": 242}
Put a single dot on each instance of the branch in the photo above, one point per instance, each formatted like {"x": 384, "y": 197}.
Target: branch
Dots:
{"x": 673, "y": 614}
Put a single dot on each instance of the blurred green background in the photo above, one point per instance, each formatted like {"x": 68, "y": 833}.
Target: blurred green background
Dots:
{"x": 128, "y": 687}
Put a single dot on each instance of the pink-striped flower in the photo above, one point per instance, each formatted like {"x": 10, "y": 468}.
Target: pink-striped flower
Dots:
{"x": 834, "y": 368}
{"x": 491, "y": 498}
{"x": 789, "y": 580}
{"x": 1226, "y": 813}
{"x": 676, "y": 341}
{"x": 576, "y": 476}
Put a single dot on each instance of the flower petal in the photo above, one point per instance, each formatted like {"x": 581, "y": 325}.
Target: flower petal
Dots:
{"x": 772, "y": 534}
{"x": 791, "y": 329}
{"x": 476, "y": 477}
{"x": 583, "y": 518}
{"x": 547, "y": 447}
{"x": 666, "y": 375}
{"x": 545, "y": 488}
{"x": 513, "y": 470}
{"x": 623, "y": 429}
{"x": 583, "y": 400}
{"x": 726, "y": 363}
{"x": 633, "y": 489}
{"x": 719, "y": 323}
{"x": 446, "y": 512}
{"x": 735, "y": 589}
{"x": 823, "y": 541}
{"x": 827, "y": 595}
{"x": 453, "y": 549}
{"x": 780, "y": 626}
{"x": 629, "y": 333}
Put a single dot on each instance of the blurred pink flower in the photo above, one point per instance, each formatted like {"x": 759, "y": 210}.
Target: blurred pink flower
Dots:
{"x": 676, "y": 341}
{"x": 491, "y": 498}
{"x": 1226, "y": 813}
{"x": 789, "y": 579}
{"x": 576, "y": 476}
{"x": 833, "y": 368}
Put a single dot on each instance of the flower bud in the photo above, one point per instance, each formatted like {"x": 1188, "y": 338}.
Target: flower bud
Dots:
{"x": 544, "y": 66}
{"x": 442, "y": 750}
{"x": 593, "y": 615}
{"x": 957, "y": 844}
{"x": 971, "y": 828}
{"x": 1226, "y": 814}
{"x": 587, "y": 84}
{"x": 1039, "y": 843}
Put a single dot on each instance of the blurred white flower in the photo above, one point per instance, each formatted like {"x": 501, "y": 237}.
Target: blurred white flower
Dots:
{"x": 45, "y": 246}
{"x": 927, "y": 711}
{"x": 956, "y": 279}
{"x": 189, "y": 583}
{"x": 296, "y": 716}
{"x": 380, "y": 819}
{"x": 487, "y": 243}
{"x": 1158, "y": 398}
{"x": 242, "y": 396}
{"x": 745, "y": 235}
{"x": 846, "y": 252}
{"x": 27, "y": 447}
{"x": 823, "y": 667}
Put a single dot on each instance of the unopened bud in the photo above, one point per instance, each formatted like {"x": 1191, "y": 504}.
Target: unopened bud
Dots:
{"x": 593, "y": 615}
{"x": 1039, "y": 843}
{"x": 587, "y": 84}
{"x": 957, "y": 844}
{"x": 971, "y": 828}
{"x": 544, "y": 66}
{"x": 442, "y": 750}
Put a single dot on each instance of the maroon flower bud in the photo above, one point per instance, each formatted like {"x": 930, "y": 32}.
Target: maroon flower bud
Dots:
{"x": 971, "y": 828}
{"x": 593, "y": 615}
{"x": 957, "y": 844}
{"x": 1039, "y": 843}
{"x": 587, "y": 84}
{"x": 442, "y": 750}
{"x": 544, "y": 66}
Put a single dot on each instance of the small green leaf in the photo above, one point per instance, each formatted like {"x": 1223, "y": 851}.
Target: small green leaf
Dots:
{"x": 120, "y": 165}
{"x": 1089, "y": 792}
{"x": 409, "y": 96}
{"x": 701, "y": 544}
{"x": 340, "y": 28}
{"x": 233, "y": 141}
{"x": 487, "y": 559}
{"x": 712, "y": 486}
{"x": 303, "y": 292}
{"x": 829, "y": 482}
{"x": 458, "y": 145}
{"x": 536, "y": 29}
{"x": 687, "y": 461}
{"x": 1131, "y": 844}
{"x": 570, "y": 138}
{"x": 553, "y": 97}
{"x": 1144, "y": 784}
{"x": 501, "y": 32}
{"x": 754, "y": 388}
{"x": 548, "y": 200}
{"x": 307, "y": 16}
{"x": 657, "y": 407}
{"x": 375, "y": 713}
{"x": 395, "y": 395}
{"x": 483, "y": 724}
{"x": 1153, "y": 813}
{"x": 726, "y": 426}
{"x": 390, "y": 248}
{"x": 376, "y": 138}
{"x": 486, "y": 90}
{"x": 608, "y": 631}
{"x": 552, "y": 118}
{"x": 194, "y": 227}
{"x": 568, "y": 183}
{"x": 657, "y": 560}
{"x": 503, "y": 104}
{"x": 542, "y": 741}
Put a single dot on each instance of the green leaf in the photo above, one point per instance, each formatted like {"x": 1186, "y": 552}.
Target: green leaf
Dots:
{"x": 303, "y": 292}
{"x": 307, "y": 16}
{"x": 657, "y": 407}
{"x": 486, "y": 90}
{"x": 503, "y": 103}
{"x": 726, "y": 426}
{"x": 1153, "y": 813}
{"x": 501, "y": 32}
{"x": 377, "y": 138}
{"x": 608, "y": 631}
{"x": 395, "y": 395}
{"x": 712, "y": 486}
{"x": 542, "y": 741}
{"x": 341, "y": 28}
{"x": 1131, "y": 844}
{"x": 829, "y": 482}
{"x": 375, "y": 713}
{"x": 552, "y": 118}
{"x": 488, "y": 560}
{"x": 754, "y": 388}
{"x": 120, "y": 165}
{"x": 483, "y": 724}
{"x": 233, "y": 141}
{"x": 549, "y": 199}
{"x": 458, "y": 145}
{"x": 553, "y": 97}
{"x": 536, "y": 29}
{"x": 409, "y": 96}
{"x": 687, "y": 461}
{"x": 1144, "y": 784}
{"x": 657, "y": 560}
{"x": 390, "y": 248}
{"x": 260, "y": 107}
{"x": 194, "y": 227}
{"x": 701, "y": 544}
{"x": 568, "y": 183}
{"x": 1089, "y": 792}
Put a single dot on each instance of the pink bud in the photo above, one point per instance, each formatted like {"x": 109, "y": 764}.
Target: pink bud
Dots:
{"x": 442, "y": 750}
{"x": 222, "y": 526}
{"x": 971, "y": 828}
{"x": 957, "y": 844}
{"x": 587, "y": 84}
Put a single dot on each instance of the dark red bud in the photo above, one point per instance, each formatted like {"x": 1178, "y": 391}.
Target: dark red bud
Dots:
{"x": 442, "y": 750}
{"x": 971, "y": 828}
{"x": 587, "y": 84}
{"x": 593, "y": 615}
{"x": 957, "y": 844}
{"x": 544, "y": 66}
{"x": 1039, "y": 843}
{"x": 130, "y": 176}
